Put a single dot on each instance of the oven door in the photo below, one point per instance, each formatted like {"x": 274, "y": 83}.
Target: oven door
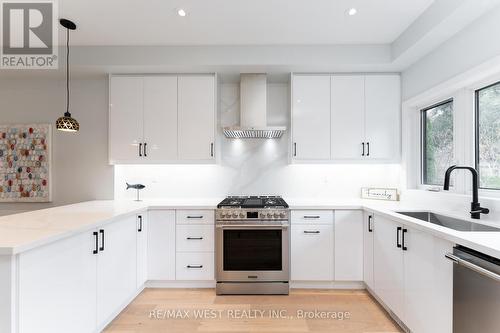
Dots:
{"x": 249, "y": 253}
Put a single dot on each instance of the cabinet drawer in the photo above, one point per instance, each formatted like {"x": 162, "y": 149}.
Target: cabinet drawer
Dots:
{"x": 312, "y": 252}
{"x": 195, "y": 238}
{"x": 195, "y": 266}
{"x": 312, "y": 217}
{"x": 195, "y": 217}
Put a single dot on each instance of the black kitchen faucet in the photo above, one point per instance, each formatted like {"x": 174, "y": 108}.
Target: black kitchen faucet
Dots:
{"x": 476, "y": 210}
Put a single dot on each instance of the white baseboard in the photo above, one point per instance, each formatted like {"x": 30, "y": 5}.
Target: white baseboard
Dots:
{"x": 180, "y": 284}
{"x": 327, "y": 285}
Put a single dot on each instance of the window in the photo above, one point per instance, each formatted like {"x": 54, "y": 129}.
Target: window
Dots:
{"x": 437, "y": 142}
{"x": 488, "y": 136}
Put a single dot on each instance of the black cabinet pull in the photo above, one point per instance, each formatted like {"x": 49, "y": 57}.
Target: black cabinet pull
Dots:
{"x": 295, "y": 149}
{"x": 398, "y": 230}
{"x": 140, "y": 149}
{"x": 195, "y": 217}
{"x": 368, "y": 149}
{"x": 212, "y": 149}
{"x": 404, "y": 243}
{"x": 370, "y": 228}
{"x": 145, "y": 149}
{"x": 96, "y": 237}
{"x": 311, "y": 232}
{"x": 311, "y": 216}
{"x": 194, "y": 238}
{"x": 363, "y": 144}
{"x": 101, "y": 231}
{"x": 140, "y": 223}
{"x": 194, "y": 266}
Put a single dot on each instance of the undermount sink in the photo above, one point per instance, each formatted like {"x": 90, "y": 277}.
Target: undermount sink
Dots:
{"x": 449, "y": 222}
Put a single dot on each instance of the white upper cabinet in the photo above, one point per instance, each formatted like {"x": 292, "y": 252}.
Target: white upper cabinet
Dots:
{"x": 125, "y": 118}
{"x": 348, "y": 109}
{"x": 382, "y": 116}
{"x": 311, "y": 117}
{"x": 160, "y": 118}
{"x": 346, "y": 117}
{"x": 196, "y": 111}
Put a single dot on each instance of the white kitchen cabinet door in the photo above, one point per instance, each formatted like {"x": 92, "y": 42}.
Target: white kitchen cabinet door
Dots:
{"x": 312, "y": 252}
{"x": 57, "y": 286}
{"x": 382, "y": 116}
{"x": 388, "y": 264}
{"x": 311, "y": 117}
{"x": 116, "y": 267}
{"x": 368, "y": 230}
{"x": 196, "y": 112}
{"x": 428, "y": 283}
{"x": 161, "y": 245}
{"x": 125, "y": 119}
{"x": 160, "y": 118}
{"x": 348, "y": 245}
{"x": 347, "y": 116}
{"x": 142, "y": 248}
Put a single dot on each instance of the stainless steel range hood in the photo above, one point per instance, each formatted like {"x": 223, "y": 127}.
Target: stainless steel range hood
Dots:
{"x": 253, "y": 111}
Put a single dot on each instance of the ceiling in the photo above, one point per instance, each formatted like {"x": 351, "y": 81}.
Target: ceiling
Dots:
{"x": 239, "y": 22}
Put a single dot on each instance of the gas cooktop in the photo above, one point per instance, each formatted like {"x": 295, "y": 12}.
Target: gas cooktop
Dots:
{"x": 253, "y": 202}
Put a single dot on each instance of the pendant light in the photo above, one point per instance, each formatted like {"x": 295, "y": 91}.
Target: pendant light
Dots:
{"x": 67, "y": 123}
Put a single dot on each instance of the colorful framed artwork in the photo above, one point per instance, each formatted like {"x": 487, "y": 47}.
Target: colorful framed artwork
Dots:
{"x": 25, "y": 163}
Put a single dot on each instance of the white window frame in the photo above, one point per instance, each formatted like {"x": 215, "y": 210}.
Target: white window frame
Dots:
{"x": 462, "y": 90}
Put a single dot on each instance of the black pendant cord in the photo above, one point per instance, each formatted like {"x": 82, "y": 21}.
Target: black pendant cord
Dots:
{"x": 67, "y": 70}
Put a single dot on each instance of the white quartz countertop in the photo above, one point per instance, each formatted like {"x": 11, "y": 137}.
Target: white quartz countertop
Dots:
{"x": 25, "y": 231}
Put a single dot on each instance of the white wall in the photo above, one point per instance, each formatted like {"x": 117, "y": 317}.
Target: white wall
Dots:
{"x": 254, "y": 166}
{"x": 80, "y": 171}
{"x": 471, "y": 47}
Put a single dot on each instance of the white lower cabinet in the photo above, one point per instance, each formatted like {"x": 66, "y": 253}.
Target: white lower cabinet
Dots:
{"x": 412, "y": 276}
{"x": 161, "y": 245}
{"x": 57, "y": 287}
{"x": 348, "y": 245}
{"x": 312, "y": 252}
{"x": 116, "y": 267}
{"x": 368, "y": 227}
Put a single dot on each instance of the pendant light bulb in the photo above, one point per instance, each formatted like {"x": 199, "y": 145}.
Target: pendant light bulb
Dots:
{"x": 66, "y": 123}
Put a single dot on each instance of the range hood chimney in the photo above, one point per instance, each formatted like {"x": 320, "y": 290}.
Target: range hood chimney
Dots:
{"x": 253, "y": 111}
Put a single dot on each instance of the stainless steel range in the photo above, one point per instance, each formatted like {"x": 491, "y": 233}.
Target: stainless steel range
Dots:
{"x": 252, "y": 245}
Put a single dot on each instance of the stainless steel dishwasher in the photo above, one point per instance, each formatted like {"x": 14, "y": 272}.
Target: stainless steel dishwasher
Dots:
{"x": 476, "y": 291}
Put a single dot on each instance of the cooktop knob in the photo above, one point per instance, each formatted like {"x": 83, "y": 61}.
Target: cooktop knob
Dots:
{"x": 276, "y": 215}
{"x": 269, "y": 215}
{"x": 262, "y": 215}
{"x": 235, "y": 215}
{"x": 222, "y": 215}
{"x": 242, "y": 215}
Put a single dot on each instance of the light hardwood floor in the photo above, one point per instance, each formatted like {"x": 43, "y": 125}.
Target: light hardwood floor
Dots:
{"x": 365, "y": 314}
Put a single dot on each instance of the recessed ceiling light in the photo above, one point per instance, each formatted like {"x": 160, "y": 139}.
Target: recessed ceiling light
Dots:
{"x": 181, "y": 12}
{"x": 353, "y": 11}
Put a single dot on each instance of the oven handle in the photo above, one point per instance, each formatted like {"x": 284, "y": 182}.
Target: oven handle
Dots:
{"x": 252, "y": 226}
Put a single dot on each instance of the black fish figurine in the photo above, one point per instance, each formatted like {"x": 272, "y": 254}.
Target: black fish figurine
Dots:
{"x": 135, "y": 186}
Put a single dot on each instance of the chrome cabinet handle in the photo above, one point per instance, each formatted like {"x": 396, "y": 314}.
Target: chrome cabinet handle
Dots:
{"x": 471, "y": 266}
{"x": 311, "y": 232}
{"x": 194, "y": 266}
{"x": 194, "y": 238}
{"x": 195, "y": 217}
